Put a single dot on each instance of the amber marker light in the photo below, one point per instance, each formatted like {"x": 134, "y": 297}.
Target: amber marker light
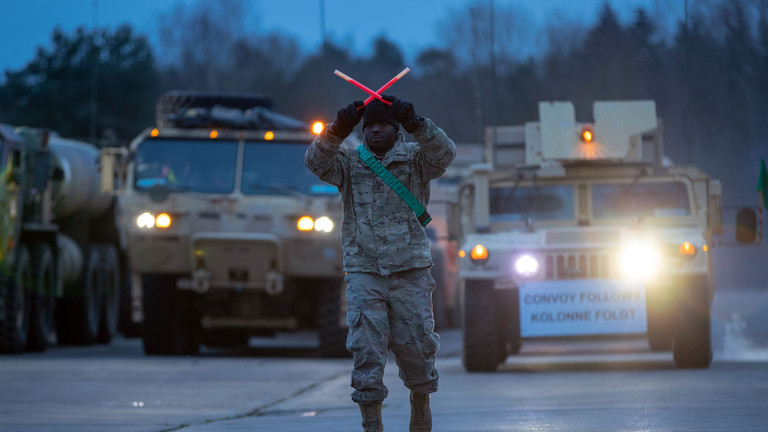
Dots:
{"x": 163, "y": 220}
{"x": 214, "y": 134}
{"x": 705, "y": 248}
{"x": 305, "y": 223}
{"x": 269, "y": 136}
{"x": 587, "y": 134}
{"x": 479, "y": 253}
{"x": 317, "y": 127}
{"x": 154, "y": 133}
{"x": 462, "y": 254}
{"x": 687, "y": 249}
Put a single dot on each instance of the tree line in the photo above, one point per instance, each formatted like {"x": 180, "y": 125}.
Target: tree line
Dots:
{"x": 707, "y": 72}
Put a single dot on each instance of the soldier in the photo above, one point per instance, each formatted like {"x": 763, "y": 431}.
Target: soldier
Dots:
{"x": 386, "y": 251}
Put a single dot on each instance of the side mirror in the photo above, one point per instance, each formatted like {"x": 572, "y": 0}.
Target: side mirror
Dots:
{"x": 746, "y": 225}
{"x": 109, "y": 166}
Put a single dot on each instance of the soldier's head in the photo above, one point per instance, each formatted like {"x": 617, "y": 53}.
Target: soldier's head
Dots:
{"x": 379, "y": 127}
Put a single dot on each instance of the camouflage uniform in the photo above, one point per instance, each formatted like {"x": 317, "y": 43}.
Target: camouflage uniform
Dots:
{"x": 387, "y": 257}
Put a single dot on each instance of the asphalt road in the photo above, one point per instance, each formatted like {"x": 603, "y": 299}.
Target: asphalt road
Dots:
{"x": 282, "y": 385}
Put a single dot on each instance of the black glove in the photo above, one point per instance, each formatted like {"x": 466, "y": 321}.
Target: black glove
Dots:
{"x": 404, "y": 113}
{"x": 346, "y": 119}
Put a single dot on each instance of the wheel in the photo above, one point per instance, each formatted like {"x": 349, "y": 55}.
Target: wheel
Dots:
{"x": 332, "y": 329}
{"x": 692, "y": 347}
{"x": 661, "y": 311}
{"x": 126, "y": 325}
{"x": 174, "y": 101}
{"x": 171, "y": 322}
{"x": 78, "y": 313}
{"x": 508, "y": 322}
{"x": 110, "y": 300}
{"x": 482, "y": 350}
{"x": 42, "y": 294}
{"x": 15, "y": 309}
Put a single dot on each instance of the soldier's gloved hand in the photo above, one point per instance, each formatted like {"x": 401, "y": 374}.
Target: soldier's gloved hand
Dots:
{"x": 346, "y": 119}
{"x": 404, "y": 113}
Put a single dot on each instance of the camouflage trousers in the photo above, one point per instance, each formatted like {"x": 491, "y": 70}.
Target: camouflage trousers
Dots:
{"x": 393, "y": 312}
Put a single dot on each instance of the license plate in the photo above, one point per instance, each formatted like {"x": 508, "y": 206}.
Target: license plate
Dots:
{"x": 582, "y": 307}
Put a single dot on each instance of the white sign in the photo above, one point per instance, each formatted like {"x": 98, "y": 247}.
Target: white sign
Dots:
{"x": 582, "y": 307}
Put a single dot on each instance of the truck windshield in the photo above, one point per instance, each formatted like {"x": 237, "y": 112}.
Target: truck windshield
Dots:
{"x": 203, "y": 166}
{"x": 668, "y": 199}
{"x": 277, "y": 168}
{"x": 519, "y": 203}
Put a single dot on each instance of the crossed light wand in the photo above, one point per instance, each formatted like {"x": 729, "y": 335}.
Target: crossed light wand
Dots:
{"x": 373, "y": 94}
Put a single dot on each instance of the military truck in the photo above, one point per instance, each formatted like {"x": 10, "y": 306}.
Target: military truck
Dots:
{"x": 581, "y": 230}
{"x": 229, "y": 236}
{"x": 59, "y": 250}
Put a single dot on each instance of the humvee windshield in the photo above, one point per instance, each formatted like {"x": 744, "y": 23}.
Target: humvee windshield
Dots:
{"x": 277, "y": 168}
{"x": 203, "y": 166}
{"x": 668, "y": 199}
{"x": 520, "y": 203}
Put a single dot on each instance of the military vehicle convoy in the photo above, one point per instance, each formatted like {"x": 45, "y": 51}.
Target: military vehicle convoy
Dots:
{"x": 579, "y": 230}
{"x": 228, "y": 234}
{"x": 60, "y": 253}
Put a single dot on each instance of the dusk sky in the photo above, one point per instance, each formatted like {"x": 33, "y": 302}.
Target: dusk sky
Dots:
{"x": 411, "y": 24}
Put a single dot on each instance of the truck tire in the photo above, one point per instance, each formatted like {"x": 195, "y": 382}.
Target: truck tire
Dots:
{"x": 126, "y": 325}
{"x": 508, "y": 323}
{"x": 173, "y": 101}
{"x": 78, "y": 313}
{"x": 110, "y": 305}
{"x": 480, "y": 332}
{"x": 692, "y": 347}
{"x": 171, "y": 322}
{"x": 331, "y": 315}
{"x": 15, "y": 306}
{"x": 42, "y": 296}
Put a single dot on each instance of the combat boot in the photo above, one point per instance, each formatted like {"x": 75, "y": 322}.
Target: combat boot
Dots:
{"x": 371, "y": 417}
{"x": 421, "y": 414}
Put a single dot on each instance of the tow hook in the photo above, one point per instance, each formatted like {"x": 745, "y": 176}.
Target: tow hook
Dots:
{"x": 201, "y": 280}
{"x": 274, "y": 283}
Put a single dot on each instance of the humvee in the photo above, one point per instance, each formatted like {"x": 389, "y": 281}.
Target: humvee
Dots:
{"x": 581, "y": 230}
{"x": 228, "y": 234}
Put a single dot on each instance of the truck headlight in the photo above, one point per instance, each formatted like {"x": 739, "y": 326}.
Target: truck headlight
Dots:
{"x": 639, "y": 261}
{"x": 145, "y": 220}
{"x": 479, "y": 253}
{"x": 324, "y": 224}
{"x": 526, "y": 265}
{"x": 148, "y": 220}
{"x": 163, "y": 220}
{"x": 305, "y": 223}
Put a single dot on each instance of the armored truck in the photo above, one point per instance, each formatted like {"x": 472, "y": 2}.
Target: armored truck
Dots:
{"x": 228, "y": 234}
{"x": 60, "y": 254}
{"x": 582, "y": 230}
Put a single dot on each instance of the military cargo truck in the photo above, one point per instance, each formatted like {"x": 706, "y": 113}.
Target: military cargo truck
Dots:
{"x": 579, "y": 230}
{"x": 59, "y": 250}
{"x": 228, "y": 234}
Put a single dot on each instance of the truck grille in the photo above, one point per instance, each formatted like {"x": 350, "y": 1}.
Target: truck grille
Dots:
{"x": 579, "y": 265}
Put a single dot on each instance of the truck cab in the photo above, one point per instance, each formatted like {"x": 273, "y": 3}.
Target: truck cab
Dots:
{"x": 228, "y": 234}
{"x": 579, "y": 230}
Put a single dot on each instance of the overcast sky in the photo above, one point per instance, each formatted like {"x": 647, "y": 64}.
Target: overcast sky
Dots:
{"x": 412, "y": 24}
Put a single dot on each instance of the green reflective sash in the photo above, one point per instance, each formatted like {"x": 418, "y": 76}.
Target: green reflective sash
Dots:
{"x": 394, "y": 183}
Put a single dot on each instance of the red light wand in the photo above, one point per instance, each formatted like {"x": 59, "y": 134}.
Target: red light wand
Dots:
{"x": 373, "y": 94}
{"x": 387, "y": 85}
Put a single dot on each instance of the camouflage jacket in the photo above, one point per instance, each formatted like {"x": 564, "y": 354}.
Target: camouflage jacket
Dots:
{"x": 380, "y": 233}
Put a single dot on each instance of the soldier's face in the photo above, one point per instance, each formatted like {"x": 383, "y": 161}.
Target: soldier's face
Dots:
{"x": 380, "y": 137}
